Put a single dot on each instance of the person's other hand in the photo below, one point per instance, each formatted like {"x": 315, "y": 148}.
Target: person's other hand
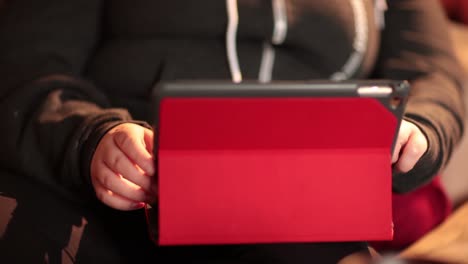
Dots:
{"x": 122, "y": 168}
{"x": 411, "y": 144}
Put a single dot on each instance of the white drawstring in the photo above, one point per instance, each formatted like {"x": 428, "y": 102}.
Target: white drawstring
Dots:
{"x": 380, "y": 6}
{"x": 359, "y": 44}
{"x": 268, "y": 56}
{"x": 280, "y": 21}
{"x": 266, "y": 65}
{"x": 231, "y": 47}
{"x": 279, "y": 36}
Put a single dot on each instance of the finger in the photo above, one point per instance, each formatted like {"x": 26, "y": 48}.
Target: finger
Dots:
{"x": 118, "y": 162}
{"x": 118, "y": 185}
{"x": 149, "y": 140}
{"x": 402, "y": 139}
{"x": 412, "y": 152}
{"x": 114, "y": 200}
{"x": 135, "y": 151}
{"x": 396, "y": 152}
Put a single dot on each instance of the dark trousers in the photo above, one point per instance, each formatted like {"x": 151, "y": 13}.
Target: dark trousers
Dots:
{"x": 37, "y": 226}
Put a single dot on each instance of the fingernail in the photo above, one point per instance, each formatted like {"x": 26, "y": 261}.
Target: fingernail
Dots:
{"x": 138, "y": 205}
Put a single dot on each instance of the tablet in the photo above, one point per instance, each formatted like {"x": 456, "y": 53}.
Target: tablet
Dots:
{"x": 274, "y": 162}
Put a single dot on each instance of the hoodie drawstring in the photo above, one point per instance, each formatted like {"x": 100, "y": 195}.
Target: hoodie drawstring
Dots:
{"x": 348, "y": 70}
{"x": 280, "y": 29}
{"x": 356, "y": 58}
{"x": 268, "y": 55}
{"x": 231, "y": 45}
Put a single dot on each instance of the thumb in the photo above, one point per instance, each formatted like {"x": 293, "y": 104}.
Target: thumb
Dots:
{"x": 402, "y": 139}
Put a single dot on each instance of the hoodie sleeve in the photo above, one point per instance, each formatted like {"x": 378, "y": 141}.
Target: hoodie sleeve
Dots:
{"x": 52, "y": 119}
{"x": 416, "y": 46}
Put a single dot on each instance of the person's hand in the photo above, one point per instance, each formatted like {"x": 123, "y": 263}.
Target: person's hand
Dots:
{"x": 411, "y": 144}
{"x": 122, "y": 168}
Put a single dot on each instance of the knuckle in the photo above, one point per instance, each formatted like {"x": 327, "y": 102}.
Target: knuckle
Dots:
{"x": 422, "y": 143}
{"x": 414, "y": 151}
{"x": 101, "y": 195}
{"x": 116, "y": 160}
{"x": 122, "y": 139}
{"x": 106, "y": 180}
{"x": 417, "y": 149}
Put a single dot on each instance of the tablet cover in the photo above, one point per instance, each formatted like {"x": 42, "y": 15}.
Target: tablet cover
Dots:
{"x": 269, "y": 170}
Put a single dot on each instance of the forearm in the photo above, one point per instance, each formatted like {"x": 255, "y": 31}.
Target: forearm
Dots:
{"x": 440, "y": 118}
{"x": 50, "y": 138}
{"x": 49, "y": 112}
{"x": 416, "y": 47}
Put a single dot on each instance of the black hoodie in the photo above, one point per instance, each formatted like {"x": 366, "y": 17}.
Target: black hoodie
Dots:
{"x": 71, "y": 70}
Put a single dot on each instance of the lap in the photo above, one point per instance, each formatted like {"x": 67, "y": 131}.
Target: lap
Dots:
{"x": 37, "y": 226}
{"x": 40, "y": 225}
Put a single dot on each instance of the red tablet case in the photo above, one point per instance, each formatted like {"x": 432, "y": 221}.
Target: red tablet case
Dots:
{"x": 268, "y": 170}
